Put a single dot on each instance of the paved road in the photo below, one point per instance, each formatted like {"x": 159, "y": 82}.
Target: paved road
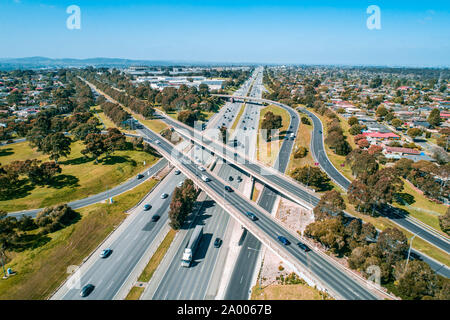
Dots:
{"x": 108, "y": 275}
{"x": 193, "y": 283}
{"x": 335, "y": 278}
{"x": 128, "y": 185}
{"x": 242, "y": 276}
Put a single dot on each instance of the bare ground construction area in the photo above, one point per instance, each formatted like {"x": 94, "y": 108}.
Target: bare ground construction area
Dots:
{"x": 276, "y": 280}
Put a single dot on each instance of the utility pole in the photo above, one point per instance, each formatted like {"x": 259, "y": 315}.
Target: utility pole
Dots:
{"x": 409, "y": 251}
{"x": 3, "y": 265}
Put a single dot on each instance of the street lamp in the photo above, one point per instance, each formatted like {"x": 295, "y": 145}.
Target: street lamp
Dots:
{"x": 409, "y": 251}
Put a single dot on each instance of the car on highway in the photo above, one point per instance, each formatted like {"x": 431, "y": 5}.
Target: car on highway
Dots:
{"x": 217, "y": 242}
{"x": 155, "y": 218}
{"x": 157, "y": 141}
{"x": 177, "y": 172}
{"x": 230, "y": 178}
{"x": 251, "y": 215}
{"x": 180, "y": 184}
{"x": 228, "y": 188}
{"x": 147, "y": 207}
{"x": 283, "y": 240}
{"x": 239, "y": 179}
{"x": 303, "y": 246}
{"x": 164, "y": 196}
{"x": 139, "y": 176}
{"x": 201, "y": 169}
{"x": 105, "y": 253}
{"x": 205, "y": 178}
{"x": 86, "y": 290}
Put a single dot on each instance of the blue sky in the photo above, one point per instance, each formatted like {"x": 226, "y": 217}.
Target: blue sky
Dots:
{"x": 311, "y": 32}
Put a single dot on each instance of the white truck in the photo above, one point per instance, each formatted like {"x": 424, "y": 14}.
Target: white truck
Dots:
{"x": 192, "y": 245}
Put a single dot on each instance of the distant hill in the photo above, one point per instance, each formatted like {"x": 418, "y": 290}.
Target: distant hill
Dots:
{"x": 44, "y": 62}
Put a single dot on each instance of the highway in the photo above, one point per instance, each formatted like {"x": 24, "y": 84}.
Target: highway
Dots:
{"x": 109, "y": 274}
{"x": 193, "y": 283}
{"x": 335, "y": 278}
{"x": 294, "y": 190}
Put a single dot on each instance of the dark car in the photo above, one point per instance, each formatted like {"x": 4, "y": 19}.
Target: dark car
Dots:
{"x": 251, "y": 215}
{"x": 155, "y": 218}
{"x": 105, "y": 253}
{"x": 239, "y": 178}
{"x": 140, "y": 176}
{"x": 177, "y": 172}
{"x": 87, "y": 289}
{"x": 228, "y": 188}
{"x": 217, "y": 242}
{"x": 283, "y": 240}
{"x": 147, "y": 207}
{"x": 303, "y": 246}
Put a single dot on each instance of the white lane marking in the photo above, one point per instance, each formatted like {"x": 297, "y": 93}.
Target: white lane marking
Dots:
{"x": 241, "y": 279}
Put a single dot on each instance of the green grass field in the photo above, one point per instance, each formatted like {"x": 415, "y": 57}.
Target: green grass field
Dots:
{"x": 80, "y": 177}
{"x": 303, "y": 139}
{"x": 41, "y": 270}
{"x": 267, "y": 152}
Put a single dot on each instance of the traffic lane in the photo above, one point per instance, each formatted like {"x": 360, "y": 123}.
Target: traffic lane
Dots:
{"x": 272, "y": 228}
{"x": 191, "y": 283}
{"x": 128, "y": 185}
{"x": 109, "y": 274}
{"x": 337, "y": 280}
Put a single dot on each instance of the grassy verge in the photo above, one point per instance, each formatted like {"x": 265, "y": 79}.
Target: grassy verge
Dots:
{"x": 155, "y": 125}
{"x": 286, "y": 292}
{"x": 238, "y": 116}
{"x": 267, "y": 152}
{"x": 159, "y": 254}
{"x": 107, "y": 121}
{"x": 135, "y": 293}
{"x": 80, "y": 176}
{"x": 303, "y": 139}
{"x": 41, "y": 270}
{"x": 420, "y": 207}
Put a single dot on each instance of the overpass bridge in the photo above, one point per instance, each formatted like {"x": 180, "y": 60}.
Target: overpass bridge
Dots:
{"x": 312, "y": 265}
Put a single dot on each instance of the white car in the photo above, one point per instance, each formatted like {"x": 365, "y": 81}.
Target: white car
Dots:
{"x": 157, "y": 141}
{"x": 201, "y": 169}
{"x": 180, "y": 184}
{"x": 205, "y": 178}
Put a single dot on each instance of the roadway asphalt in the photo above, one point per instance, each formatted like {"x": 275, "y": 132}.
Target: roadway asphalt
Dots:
{"x": 242, "y": 276}
{"x": 336, "y": 279}
{"x": 109, "y": 274}
{"x": 128, "y": 185}
{"x": 192, "y": 283}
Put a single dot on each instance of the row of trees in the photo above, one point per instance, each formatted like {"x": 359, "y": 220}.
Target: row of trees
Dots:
{"x": 115, "y": 113}
{"x": 366, "y": 249}
{"x": 182, "y": 203}
{"x": 270, "y": 123}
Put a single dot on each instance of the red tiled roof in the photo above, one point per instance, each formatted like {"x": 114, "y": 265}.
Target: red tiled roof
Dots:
{"x": 381, "y": 135}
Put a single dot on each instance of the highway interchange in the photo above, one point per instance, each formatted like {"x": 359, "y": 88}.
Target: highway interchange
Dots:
{"x": 180, "y": 283}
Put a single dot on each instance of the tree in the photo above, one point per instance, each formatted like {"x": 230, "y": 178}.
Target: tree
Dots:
{"x": 56, "y": 145}
{"x": 223, "y": 133}
{"x": 361, "y": 162}
{"x": 352, "y": 121}
{"x": 416, "y": 280}
{"x": 94, "y": 145}
{"x": 355, "y": 129}
{"x": 414, "y": 132}
{"x": 363, "y": 143}
{"x": 271, "y": 122}
{"x": 444, "y": 221}
{"x": 182, "y": 203}
{"x": 381, "y": 111}
{"x": 301, "y": 152}
{"x": 44, "y": 173}
{"x": 403, "y": 167}
{"x": 397, "y": 123}
{"x": 311, "y": 176}
{"x": 434, "y": 118}
{"x": 188, "y": 117}
{"x": 305, "y": 120}
{"x": 114, "y": 140}
{"x": 330, "y": 204}
{"x": 329, "y": 232}
{"x": 55, "y": 218}
{"x": 81, "y": 131}
{"x": 393, "y": 245}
